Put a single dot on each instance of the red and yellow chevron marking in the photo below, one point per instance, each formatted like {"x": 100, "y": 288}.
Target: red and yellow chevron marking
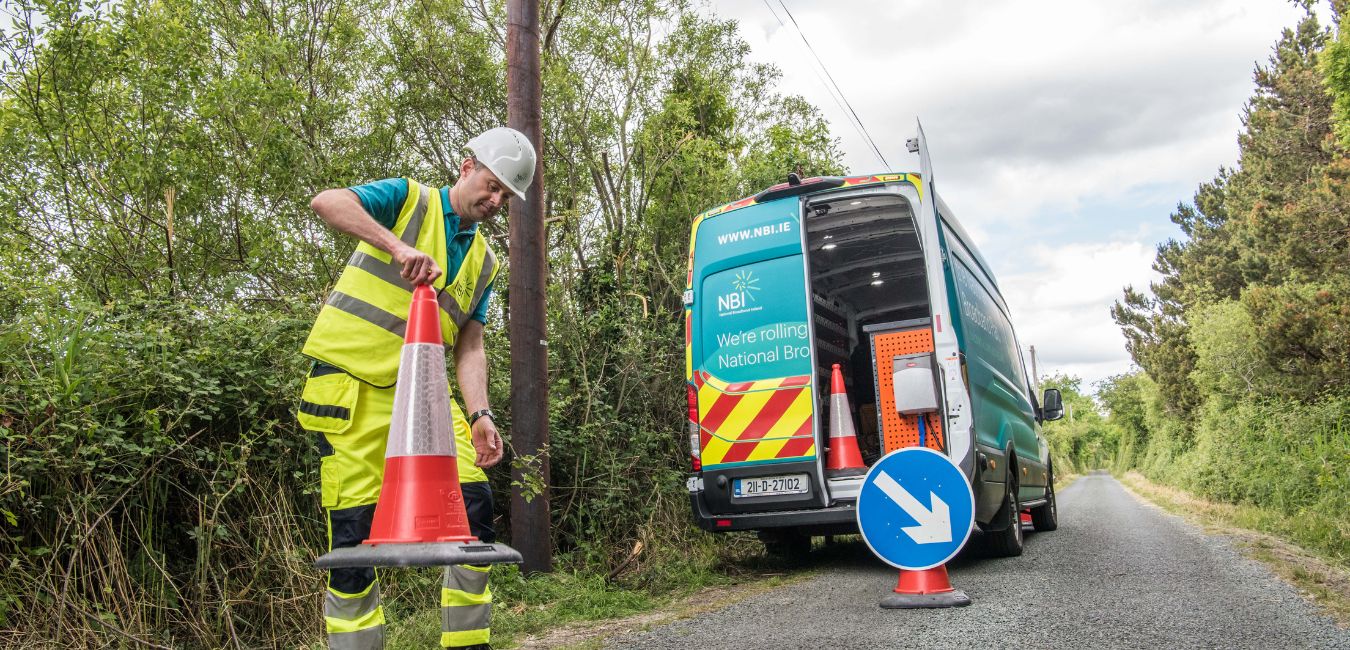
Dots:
{"x": 754, "y": 420}
{"x": 912, "y": 179}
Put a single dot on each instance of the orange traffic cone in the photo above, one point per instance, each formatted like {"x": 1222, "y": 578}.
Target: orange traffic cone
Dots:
{"x": 844, "y": 458}
{"x": 420, "y": 500}
{"x": 420, "y": 519}
{"x": 929, "y": 588}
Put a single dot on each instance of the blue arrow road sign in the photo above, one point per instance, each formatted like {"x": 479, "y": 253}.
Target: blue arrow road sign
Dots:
{"x": 915, "y": 509}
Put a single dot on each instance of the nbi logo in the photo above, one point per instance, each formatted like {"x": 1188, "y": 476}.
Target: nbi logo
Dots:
{"x": 742, "y": 294}
{"x": 734, "y": 300}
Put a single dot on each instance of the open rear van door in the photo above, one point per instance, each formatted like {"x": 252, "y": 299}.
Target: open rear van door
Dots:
{"x": 947, "y": 347}
{"x": 750, "y": 366}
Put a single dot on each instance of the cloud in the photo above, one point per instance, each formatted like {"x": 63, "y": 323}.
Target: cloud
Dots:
{"x": 1044, "y": 102}
{"x": 1061, "y": 304}
{"x": 1050, "y": 121}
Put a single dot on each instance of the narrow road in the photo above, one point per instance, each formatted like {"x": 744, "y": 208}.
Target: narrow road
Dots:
{"x": 1117, "y": 574}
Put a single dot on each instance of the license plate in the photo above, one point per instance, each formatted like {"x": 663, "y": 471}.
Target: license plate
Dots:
{"x": 763, "y": 486}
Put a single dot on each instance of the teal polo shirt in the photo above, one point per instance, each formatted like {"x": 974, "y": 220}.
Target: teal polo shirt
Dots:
{"x": 383, "y": 199}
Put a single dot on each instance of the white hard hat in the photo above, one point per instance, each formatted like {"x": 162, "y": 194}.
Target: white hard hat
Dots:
{"x": 509, "y": 155}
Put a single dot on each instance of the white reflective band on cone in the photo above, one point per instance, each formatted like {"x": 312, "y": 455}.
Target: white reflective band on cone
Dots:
{"x": 422, "y": 403}
{"x": 841, "y": 427}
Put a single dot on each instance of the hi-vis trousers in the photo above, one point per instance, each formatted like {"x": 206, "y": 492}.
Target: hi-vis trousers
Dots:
{"x": 351, "y": 419}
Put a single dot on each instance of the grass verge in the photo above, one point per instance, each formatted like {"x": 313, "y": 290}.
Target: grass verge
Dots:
{"x": 1264, "y": 535}
{"x": 577, "y": 604}
{"x": 1063, "y": 480}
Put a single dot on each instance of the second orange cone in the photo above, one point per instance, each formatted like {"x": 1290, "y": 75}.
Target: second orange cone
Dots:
{"x": 844, "y": 458}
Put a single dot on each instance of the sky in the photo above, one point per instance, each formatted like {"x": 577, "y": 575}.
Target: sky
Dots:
{"x": 1063, "y": 133}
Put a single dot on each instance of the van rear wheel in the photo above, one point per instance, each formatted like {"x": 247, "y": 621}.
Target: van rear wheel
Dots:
{"x": 1008, "y": 541}
{"x": 1045, "y": 518}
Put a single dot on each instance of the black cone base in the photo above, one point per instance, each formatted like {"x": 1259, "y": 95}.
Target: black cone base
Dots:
{"x": 955, "y": 598}
{"x": 419, "y": 554}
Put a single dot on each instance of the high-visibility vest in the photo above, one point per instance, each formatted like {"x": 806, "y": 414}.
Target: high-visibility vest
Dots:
{"x": 361, "y": 326}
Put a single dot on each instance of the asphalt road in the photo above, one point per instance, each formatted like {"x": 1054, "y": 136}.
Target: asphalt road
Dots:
{"x": 1117, "y": 574}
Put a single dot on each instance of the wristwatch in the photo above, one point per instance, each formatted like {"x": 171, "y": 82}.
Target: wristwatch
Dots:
{"x": 485, "y": 413}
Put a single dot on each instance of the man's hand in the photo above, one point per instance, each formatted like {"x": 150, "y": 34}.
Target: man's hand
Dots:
{"x": 418, "y": 267}
{"x": 486, "y": 442}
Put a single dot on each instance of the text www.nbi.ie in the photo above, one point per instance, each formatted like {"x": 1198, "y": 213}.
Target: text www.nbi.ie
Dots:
{"x": 751, "y": 233}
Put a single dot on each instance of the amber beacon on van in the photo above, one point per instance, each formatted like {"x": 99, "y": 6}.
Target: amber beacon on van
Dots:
{"x": 873, "y": 273}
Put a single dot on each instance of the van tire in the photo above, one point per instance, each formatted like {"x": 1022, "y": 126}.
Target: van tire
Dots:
{"x": 785, "y": 543}
{"x": 1007, "y": 542}
{"x": 1045, "y": 518}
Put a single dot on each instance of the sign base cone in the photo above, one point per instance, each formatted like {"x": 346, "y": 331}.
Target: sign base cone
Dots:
{"x": 926, "y": 589}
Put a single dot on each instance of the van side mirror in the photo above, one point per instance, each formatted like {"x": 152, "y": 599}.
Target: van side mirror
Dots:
{"x": 1053, "y": 404}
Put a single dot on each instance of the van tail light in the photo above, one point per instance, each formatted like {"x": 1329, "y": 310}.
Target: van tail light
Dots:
{"x": 695, "y": 454}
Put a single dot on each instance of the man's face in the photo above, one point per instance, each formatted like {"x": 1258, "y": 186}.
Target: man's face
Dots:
{"x": 483, "y": 195}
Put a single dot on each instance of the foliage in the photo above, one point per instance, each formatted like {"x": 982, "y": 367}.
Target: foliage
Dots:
{"x": 1277, "y": 222}
{"x": 1243, "y": 343}
{"x": 153, "y": 469}
{"x": 1336, "y": 67}
{"x": 1229, "y": 363}
{"x": 1082, "y": 439}
{"x": 159, "y": 268}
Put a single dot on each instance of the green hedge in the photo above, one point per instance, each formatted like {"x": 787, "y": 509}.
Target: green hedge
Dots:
{"x": 1285, "y": 456}
{"x": 155, "y": 483}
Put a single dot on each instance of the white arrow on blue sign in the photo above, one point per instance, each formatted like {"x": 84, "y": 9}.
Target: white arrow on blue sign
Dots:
{"x": 894, "y": 520}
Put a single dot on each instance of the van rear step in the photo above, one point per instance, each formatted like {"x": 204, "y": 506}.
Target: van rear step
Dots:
{"x": 844, "y": 488}
{"x": 843, "y": 513}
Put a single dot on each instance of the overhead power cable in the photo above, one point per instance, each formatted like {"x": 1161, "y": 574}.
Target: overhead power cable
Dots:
{"x": 857, "y": 121}
{"x": 824, "y": 84}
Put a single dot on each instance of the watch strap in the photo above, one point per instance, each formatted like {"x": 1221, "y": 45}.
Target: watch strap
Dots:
{"x": 474, "y": 417}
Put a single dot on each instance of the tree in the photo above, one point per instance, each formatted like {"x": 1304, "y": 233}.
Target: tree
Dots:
{"x": 1082, "y": 440}
{"x": 1273, "y": 233}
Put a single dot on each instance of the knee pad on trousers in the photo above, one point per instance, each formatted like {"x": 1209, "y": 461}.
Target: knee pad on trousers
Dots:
{"x": 349, "y": 527}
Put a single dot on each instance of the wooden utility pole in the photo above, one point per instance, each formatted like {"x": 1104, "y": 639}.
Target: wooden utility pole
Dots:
{"x": 530, "y": 524}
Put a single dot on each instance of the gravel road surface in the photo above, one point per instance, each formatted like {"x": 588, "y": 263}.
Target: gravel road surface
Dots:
{"x": 1117, "y": 574}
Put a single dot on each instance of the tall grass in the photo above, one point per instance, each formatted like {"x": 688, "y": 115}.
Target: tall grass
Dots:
{"x": 1288, "y": 456}
{"x": 155, "y": 489}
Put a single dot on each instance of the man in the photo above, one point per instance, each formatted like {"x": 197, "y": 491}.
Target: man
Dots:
{"x": 410, "y": 234}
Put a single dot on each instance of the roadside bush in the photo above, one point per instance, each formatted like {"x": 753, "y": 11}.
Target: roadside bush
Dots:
{"x": 1285, "y": 456}
{"x": 617, "y": 436}
{"x": 156, "y": 485}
